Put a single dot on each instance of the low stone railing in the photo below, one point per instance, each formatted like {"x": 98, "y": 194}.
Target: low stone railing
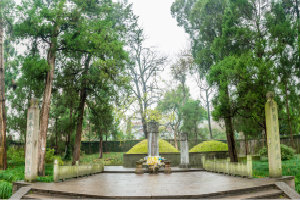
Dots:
{"x": 64, "y": 172}
{"x": 243, "y": 169}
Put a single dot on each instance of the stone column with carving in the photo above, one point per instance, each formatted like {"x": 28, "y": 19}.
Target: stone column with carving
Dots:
{"x": 153, "y": 147}
{"x": 184, "y": 151}
{"x": 274, "y": 152}
{"x": 33, "y": 125}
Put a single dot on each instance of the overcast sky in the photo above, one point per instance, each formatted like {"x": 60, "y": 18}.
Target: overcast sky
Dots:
{"x": 159, "y": 26}
{"x": 162, "y": 32}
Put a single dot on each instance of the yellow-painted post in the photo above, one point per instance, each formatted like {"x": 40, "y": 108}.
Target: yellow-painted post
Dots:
{"x": 249, "y": 166}
{"x": 274, "y": 152}
{"x": 227, "y": 166}
{"x": 203, "y": 161}
{"x": 55, "y": 171}
{"x": 214, "y": 163}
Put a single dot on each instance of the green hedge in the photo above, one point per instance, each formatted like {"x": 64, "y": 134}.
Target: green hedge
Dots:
{"x": 287, "y": 153}
{"x": 211, "y": 145}
{"x": 142, "y": 147}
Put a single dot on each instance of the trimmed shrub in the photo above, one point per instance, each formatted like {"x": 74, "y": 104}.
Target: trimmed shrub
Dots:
{"x": 287, "y": 153}
{"x": 211, "y": 145}
{"x": 142, "y": 147}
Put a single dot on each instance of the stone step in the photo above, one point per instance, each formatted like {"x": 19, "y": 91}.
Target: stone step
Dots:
{"x": 48, "y": 196}
{"x": 262, "y": 194}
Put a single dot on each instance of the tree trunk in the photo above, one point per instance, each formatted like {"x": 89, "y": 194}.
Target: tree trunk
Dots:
{"x": 68, "y": 142}
{"x": 230, "y": 139}
{"x": 3, "y": 163}
{"x": 208, "y": 114}
{"x": 246, "y": 144}
{"x": 230, "y": 131}
{"x": 44, "y": 118}
{"x": 76, "y": 153}
{"x": 101, "y": 146}
{"x": 56, "y": 137}
{"x": 144, "y": 127}
{"x": 83, "y": 96}
{"x": 175, "y": 139}
{"x": 289, "y": 115}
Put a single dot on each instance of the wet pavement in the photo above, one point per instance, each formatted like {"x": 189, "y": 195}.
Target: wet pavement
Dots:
{"x": 130, "y": 184}
{"x": 121, "y": 169}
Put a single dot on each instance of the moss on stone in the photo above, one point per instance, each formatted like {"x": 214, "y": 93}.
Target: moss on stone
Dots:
{"x": 211, "y": 145}
{"x": 142, "y": 147}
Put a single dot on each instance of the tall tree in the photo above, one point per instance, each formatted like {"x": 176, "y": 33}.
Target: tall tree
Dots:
{"x": 44, "y": 22}
{"x": 283, "y": 45}
{"x": 6, "y": 8}
{"x": 146, "y": 64}
{"x": 171, "y": 105}
{"x": 97, "y": 47}
{"x": 3, "y": 163}
{"x": 203, "y": 21}
{"x": 192, "y": 114}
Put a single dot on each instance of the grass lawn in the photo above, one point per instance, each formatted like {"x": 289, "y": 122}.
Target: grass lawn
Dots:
{"x": 16, "y": 167}
{"x": 289, "y": 168}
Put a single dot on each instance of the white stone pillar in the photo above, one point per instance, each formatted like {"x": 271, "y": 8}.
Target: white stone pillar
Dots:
{"x": 31, "y": 156}
{"x": 274, "y": 152}
{"x": 184, "y": 151}
{"x": 153, "y": 147}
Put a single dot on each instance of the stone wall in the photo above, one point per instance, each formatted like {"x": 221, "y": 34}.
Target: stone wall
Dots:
{"x": 195, "y": 158}
{"x": 123, "y": 146}
{"x": 256, "y": 144}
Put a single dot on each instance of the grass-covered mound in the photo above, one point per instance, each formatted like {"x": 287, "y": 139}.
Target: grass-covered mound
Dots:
{"x": 211, "y": 145}
{"x": 142, "y": 147}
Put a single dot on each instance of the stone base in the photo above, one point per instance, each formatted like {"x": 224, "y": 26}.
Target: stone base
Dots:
{"x": 184, "y": 165}
{"x": 167, "y": 170}
{"x": 139, "y": 171}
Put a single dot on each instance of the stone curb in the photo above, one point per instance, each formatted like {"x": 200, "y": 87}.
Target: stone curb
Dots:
{"x": 20, "y": 193}
{"x": 291, "y": 193}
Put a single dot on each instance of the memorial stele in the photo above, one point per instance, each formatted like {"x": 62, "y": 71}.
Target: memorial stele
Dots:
{"x": 31, "y": 156}
{"x": 273, "y": 139}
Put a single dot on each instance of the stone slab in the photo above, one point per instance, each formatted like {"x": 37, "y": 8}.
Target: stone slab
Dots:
{"x": 145, "y": 185}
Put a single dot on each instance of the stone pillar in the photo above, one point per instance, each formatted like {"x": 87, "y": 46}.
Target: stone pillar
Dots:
{"x": 274, "y": 152}
{"x": 184, "y": 151}
{"x": 153, "y": 147}
{"x": 33, "y": 126}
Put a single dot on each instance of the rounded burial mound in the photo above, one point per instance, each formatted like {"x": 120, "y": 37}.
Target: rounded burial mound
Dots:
{"x": 142, "y": 147}
{"x": 211, "y": 145}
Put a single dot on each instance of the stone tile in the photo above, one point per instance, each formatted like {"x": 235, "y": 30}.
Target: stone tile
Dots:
{"x": 130, "y": 184}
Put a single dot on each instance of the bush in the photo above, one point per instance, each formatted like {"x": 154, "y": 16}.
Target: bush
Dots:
{"x": 49, "y": 157}
{"x": 287, "y": 153}
{"x": 142, "y": 147}
{"x": 15, "y": 157}
{"x": 211, "y": 145}
{"x": 5, "y": 189}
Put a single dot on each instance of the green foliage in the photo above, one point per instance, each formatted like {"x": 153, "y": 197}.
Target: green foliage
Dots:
{"x": 5, "y": 189}
{"x": 289, "y": 168}
{"x": 287, "y": 153}
{"x": 15, "y": 157}
{"x": 211, "y": 145}
{"x": 49, "y": 157}
{"x": 142, "y": 147}
{"x": 12, "y": 174}
{"x": 109, "y": 158}
{"x": 193, "y": 113}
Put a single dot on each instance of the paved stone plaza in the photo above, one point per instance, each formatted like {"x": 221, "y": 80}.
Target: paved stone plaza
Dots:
{"x": 130, "y": 184}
